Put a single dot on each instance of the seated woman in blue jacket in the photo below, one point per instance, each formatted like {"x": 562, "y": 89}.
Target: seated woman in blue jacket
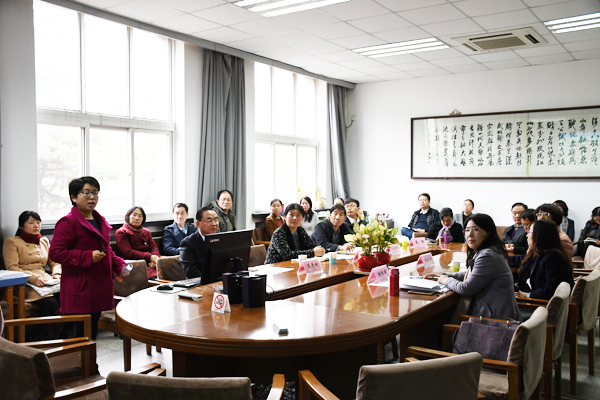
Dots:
{"x": 545, "y": 265}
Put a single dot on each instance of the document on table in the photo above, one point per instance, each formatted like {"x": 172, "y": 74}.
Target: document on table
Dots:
{"x": 269, "y": 270}
{"x": 418, "y": 283}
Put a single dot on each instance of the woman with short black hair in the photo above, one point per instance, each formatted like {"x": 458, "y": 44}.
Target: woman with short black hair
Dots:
{"x": 290, "y": 240}
{"x": 135, "y": 242}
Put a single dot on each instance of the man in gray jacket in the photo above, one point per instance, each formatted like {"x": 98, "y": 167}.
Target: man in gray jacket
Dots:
{"x": 222, "y": 207}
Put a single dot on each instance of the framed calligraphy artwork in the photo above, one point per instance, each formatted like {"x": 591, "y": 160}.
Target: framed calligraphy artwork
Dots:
{"x": 541, "y": 144}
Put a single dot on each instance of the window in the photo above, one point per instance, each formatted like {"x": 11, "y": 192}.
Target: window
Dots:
{"x": 104, "y": 109}
{"x": 290, "y": 124}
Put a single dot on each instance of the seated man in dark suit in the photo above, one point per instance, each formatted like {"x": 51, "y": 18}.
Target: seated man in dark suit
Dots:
{"x": 423, "y": 218}
{"x": 521, "y": 246}
{"x": 173, "y": 234}
{"x": 454, "y": 229}
{"x": 329, "y": 234}
{"x": 352, "y": 209}
{"x": 191, "y": 254}
{"x": 516, "y": 232}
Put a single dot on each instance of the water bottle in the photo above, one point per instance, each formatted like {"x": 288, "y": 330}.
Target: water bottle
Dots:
{"x": 446, "y": 237}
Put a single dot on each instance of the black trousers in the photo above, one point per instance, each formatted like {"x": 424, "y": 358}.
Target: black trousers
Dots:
{"x": 46, "y": 307}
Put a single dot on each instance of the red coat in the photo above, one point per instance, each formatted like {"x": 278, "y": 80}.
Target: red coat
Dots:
{"x": 85, "y": 287}
{"x": 137, "y": 244}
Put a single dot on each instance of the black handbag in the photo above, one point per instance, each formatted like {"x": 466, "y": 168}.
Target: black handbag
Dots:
{"x": 491, "y": 339}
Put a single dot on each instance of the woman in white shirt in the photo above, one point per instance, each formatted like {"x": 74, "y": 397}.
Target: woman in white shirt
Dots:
{"x": 311, "y": 219}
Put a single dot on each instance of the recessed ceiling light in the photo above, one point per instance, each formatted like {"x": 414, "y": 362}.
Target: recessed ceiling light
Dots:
{"x": 394, "y": 49}
{"x": 281, "y": 7}
{"x": 571, "y": 24}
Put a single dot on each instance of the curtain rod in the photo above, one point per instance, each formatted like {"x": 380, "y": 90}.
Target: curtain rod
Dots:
{"x": 193, "y": 40}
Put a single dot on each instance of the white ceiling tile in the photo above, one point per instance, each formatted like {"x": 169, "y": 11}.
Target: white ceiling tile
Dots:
{"x": 550, "y": 38}
{"x": 304, "y": 61}
{"x": 395, "y": 76}
{"x": 186, "y": 23}
{"x": 541, "y": 51}
{"x": 402, "y": 35}
{"x": 537, "y": 3}
{"x": 415, "y": 66}
{"x": 438, "y": 54}
{"x": 356, "y": 42}
{"x": 367, "y": 79}
{"x": 457, "y": 27}
{"x": 440, "y": 13}
{"x": 507, "y": 64}
{"x": 103, "y": 3}
{"x": 453, "y": 62}
{"x": 584, "y": 55}
{"x": 327, "y": 68}
{"x": 380, "y": 23}
{"x": 320, "y": 47}
{"x": 512, "y": 19}
{"x": 295, "y": 36}
{"x": 144, "y": 10}
{"x": 228, "y": 14}
{"x": 474, "y": 8}
{"x": 551, "y": 59}
{"x": 306, "y": 19}
{"x": 566, "y": 9}
{"x": 334, "y": 31}
{"x": 262, "y": 27}
{"x": 355, "y": 9}
{"x": 583, "y": 46}
{"x": 339, "y": 56}
{"x": 350, "y": 74}
{"x": 577, "y": 36}
{"x": 383, "y": 69}
{"x": 404, "y": 5}
{"x": 400, "y": 59}
{"x": 252, "y": 45}
{"x": 222, "y": 35}
{"x": 495, "y": 56}
{"x": 463, "y": 69}
{"x": 430, "y": 72}
{"x": 189, "y": 6}
{"x": 364, "y": 63}
{"x": 280, "y": 53}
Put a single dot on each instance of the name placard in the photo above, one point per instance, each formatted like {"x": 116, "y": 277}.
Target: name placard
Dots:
{"x": 425, "y": 264}
{"x": 310, "y": 267}
{"x": 379, "y": 274}
{"x": 220, "y": 303}
{"x": 417, "y": 243}
{"x": 395, "y": 249}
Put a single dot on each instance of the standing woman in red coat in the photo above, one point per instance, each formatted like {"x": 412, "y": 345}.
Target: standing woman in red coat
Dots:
{"x": 81, "y": 242}
{"x": 135, "y": 241}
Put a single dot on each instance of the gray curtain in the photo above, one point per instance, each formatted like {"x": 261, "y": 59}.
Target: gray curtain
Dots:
{"x": 223, "y": 132}
{"x": 336, "y": 103}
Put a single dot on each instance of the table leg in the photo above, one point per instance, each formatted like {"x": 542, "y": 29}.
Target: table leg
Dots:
{"x": 21, "y": 311}
{"x": 11, "y": 312}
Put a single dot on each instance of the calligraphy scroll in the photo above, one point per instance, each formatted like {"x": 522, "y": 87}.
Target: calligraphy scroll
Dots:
{"x": 558, "y": 143}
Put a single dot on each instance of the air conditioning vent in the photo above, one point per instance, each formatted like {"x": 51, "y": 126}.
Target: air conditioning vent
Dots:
{"x": 518, "y": 38}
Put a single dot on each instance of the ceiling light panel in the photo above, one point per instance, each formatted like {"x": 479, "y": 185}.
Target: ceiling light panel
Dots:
{"x": 393, "y": 49}
{"x": 272, "y": 8}
{"x": 577, "y": 23}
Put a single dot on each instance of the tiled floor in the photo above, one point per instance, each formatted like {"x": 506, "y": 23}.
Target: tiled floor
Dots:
{"x": 110, "y": 350}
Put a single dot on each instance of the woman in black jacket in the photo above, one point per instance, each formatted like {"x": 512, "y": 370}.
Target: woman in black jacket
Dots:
{"x": 545, "y": 265}
{"x": 290, "y": 240}
{"x": 590, "y": 235}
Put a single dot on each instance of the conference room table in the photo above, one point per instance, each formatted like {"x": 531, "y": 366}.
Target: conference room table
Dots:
{"x": 333, "y": 329}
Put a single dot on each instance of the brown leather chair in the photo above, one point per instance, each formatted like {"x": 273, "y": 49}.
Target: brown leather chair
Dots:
{"x": 259, "y": 236}
{"x": 500, "y": 230}
{"x": 258, "y": 255}
{"x": 170, "y": 269}
{"x": 444, "y": 379}
{"x": 122, "y": 386}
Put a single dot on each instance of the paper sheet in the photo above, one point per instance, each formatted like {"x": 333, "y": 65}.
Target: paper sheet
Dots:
{"x": 269, "y": 270}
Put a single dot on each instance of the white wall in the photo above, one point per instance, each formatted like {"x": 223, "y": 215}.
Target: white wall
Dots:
{"x": 17, "y": 112}
{"x": 379, "y": 139}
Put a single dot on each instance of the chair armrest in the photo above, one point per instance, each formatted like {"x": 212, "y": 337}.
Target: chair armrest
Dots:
{"x": 430, "y": 353}
{"x": 158, "y": 372}
{"x": 145, "y": 369}
{"x": 262, "y": 242}
{"x": 81, "y": 391}
{"x": 539, "y": 302}
{"x": 72, "y": 348}
{"x": 277, "y": 387}
{"x": 86, "y": 318}
{"x": 411, "y": 359}
{"x": 503, "y": 365}
{"x": 55, "y": 343}
{"x": 528, "y": 305}
{"x": 309, "y": 384}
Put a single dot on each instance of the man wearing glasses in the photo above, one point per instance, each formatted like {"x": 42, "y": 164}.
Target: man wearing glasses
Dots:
{"x": 515, "y": 233}
{"x": 191, "y": 252}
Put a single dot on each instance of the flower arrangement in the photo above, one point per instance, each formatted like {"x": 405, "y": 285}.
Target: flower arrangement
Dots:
{"x": 372, "y": 235}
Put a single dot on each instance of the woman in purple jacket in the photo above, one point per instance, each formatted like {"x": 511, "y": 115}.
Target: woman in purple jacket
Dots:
{"x": 81, "y": 242}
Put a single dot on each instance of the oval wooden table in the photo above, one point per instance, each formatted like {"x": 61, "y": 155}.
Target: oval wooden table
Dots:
{"x": 329, "y": 339}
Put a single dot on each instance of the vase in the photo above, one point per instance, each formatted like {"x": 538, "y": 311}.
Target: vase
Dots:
{"x": 382, "y": 258}
{"x": 366, "y": 263}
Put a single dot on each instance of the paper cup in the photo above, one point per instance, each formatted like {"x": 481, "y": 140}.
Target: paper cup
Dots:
{"x": 455, "y": 265}
{"x": 302, "y": 257}
{"x": 333, "y": 258}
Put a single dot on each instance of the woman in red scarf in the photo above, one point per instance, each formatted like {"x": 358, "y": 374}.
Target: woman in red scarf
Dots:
{"x": 135, "y": 242}
{"x": 27, "y": 252}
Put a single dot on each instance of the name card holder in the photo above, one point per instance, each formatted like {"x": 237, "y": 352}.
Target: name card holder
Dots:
{"x": 379, "y": 275}
{"x": 395, "y": 249}
{"x": 425, "y": 264}
{"x": 417, "y": 243}
{"x": 310, "y": 267}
